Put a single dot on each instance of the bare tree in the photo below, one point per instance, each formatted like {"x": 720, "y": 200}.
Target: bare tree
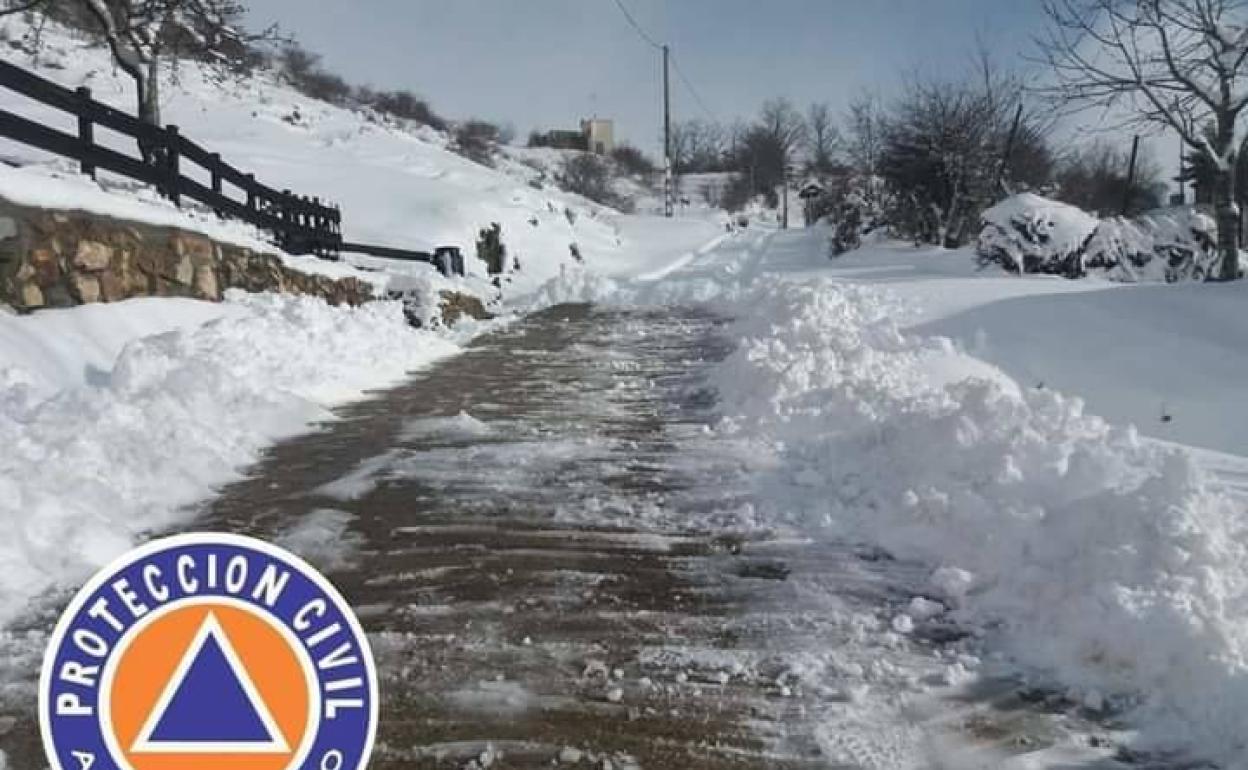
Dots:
{"x": 1096, "y": 178}
{"x": 781, "y": 121}
{"x": 866, "y": 122}
{"x": 680, "y": 141}
{"x": 1181, "y": 64}
{"x": 823, "y": 138}
{"x": 944, "y": 148}
{"x": 697, "y": 146}
{"x": 145, "y": 34}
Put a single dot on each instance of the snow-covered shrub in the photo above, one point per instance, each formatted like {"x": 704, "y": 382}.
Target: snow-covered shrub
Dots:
{"x": 1031, "y": 234}
{"x": 853, "y": 215}
{"x": 1173, "y": 245}
{"x": 590, "y": 176}
{"x": 632, "y": 161}
{"x": 490, "y": 248}
{"x": 476, "y": 140}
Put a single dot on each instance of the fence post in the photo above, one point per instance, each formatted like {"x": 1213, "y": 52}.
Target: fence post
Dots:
{"x": 173, "y": 165}
{"x": 335, "y": 228}
{"x": 318, "y": 224}
{"x": 287, "y": 217}
{"x": 251, "y": 195}
{"x": 216, "y": 178}
{"x": 86, "y": 130}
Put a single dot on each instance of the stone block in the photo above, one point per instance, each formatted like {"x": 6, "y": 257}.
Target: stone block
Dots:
{"x": 32, "y": 296}
{"x": 206, "y": 284}
{"x": 93, "y": 256}
{"x": 85, "y": 287}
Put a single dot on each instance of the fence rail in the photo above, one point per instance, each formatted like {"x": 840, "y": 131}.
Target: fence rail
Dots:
{"x": 299, "y": 224}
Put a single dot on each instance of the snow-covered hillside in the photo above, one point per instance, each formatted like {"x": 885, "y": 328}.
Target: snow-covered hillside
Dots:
{"x": 397, "y": 185}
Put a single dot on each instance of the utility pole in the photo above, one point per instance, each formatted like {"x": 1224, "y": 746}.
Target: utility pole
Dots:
{"x": 1127, "y": 193}
{"x": 784, "y": 187}
{"x": 784, "y": 191}
{"x": 1009, "y": 150}
{"x": 669, "y": 190}
{"x": 1182, "y": 190}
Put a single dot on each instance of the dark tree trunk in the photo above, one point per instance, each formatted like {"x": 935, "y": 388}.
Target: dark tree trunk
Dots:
{"x": 1228, "y": 223}
{"x": 147, "y": 93}
{"x": 1226, "y": 208}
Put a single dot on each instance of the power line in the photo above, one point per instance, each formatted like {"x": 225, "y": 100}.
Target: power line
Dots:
{"x": 644, "y": 35}
{"x": 693, "y": 91}
{"x": 697, "y": 97}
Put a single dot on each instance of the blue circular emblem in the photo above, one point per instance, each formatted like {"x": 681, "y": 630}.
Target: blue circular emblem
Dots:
{"x": 203, "y": 651}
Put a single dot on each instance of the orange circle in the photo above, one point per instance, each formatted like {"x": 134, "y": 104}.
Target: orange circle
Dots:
{"x": 144, "y": 668}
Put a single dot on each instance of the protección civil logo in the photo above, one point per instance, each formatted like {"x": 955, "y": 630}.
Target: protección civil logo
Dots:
{"x": 208, "y": 651}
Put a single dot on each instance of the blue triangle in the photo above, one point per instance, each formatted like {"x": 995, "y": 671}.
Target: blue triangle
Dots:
{"x": 210, "y": 705}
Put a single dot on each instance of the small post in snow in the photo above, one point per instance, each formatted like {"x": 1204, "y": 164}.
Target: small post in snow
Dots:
{"x": 173, "y": 165}
{"x": 1126, "y": 194}
{"x": 216, "y": 179}
{"x": 86, "y": 131}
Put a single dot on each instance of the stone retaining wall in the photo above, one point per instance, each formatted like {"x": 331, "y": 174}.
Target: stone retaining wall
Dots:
{"x": 63, "y": 258}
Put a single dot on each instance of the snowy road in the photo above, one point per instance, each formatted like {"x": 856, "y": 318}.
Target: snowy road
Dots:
{"x": 560, "y": 560}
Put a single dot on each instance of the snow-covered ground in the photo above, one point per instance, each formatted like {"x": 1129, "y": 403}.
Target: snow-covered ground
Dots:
{"x": 897, "y": 397}
{"x": 1169, "y": 359}
{"x": 117, "y": 417}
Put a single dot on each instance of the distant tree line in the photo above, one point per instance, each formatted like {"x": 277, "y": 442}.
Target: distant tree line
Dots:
{"x": 926, "y": 163}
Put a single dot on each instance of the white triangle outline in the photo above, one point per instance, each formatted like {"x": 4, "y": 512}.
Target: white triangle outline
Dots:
{"x": 211, "y": 627}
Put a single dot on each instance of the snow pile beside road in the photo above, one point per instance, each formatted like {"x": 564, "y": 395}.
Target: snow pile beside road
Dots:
{"x": 1099, "y": 557}
{"x": 98, "y": 451}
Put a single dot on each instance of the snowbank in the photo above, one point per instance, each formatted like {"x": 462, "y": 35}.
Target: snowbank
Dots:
{"x": 143, "y": 407}
{"x": 1087, "y": 552}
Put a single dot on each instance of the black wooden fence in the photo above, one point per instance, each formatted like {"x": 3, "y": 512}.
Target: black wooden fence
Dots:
{"x": 299, "y": 224}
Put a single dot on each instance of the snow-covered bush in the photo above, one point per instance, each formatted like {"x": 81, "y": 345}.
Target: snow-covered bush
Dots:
{"x": 591, "y": 176}
{"x": 1031, "y": 234}
{"x": 1173, "y": 245}
{"x": 476, "y": 140}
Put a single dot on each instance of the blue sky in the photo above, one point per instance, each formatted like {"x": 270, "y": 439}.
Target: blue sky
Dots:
{"x": 546, "y": 63}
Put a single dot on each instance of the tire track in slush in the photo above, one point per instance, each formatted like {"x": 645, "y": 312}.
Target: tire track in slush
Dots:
{"x": 573, "y": 571}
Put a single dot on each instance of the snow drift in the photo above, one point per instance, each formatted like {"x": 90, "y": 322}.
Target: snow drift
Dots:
{"x": 1083, "y": 550}
{"x": 101, "y": 449}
